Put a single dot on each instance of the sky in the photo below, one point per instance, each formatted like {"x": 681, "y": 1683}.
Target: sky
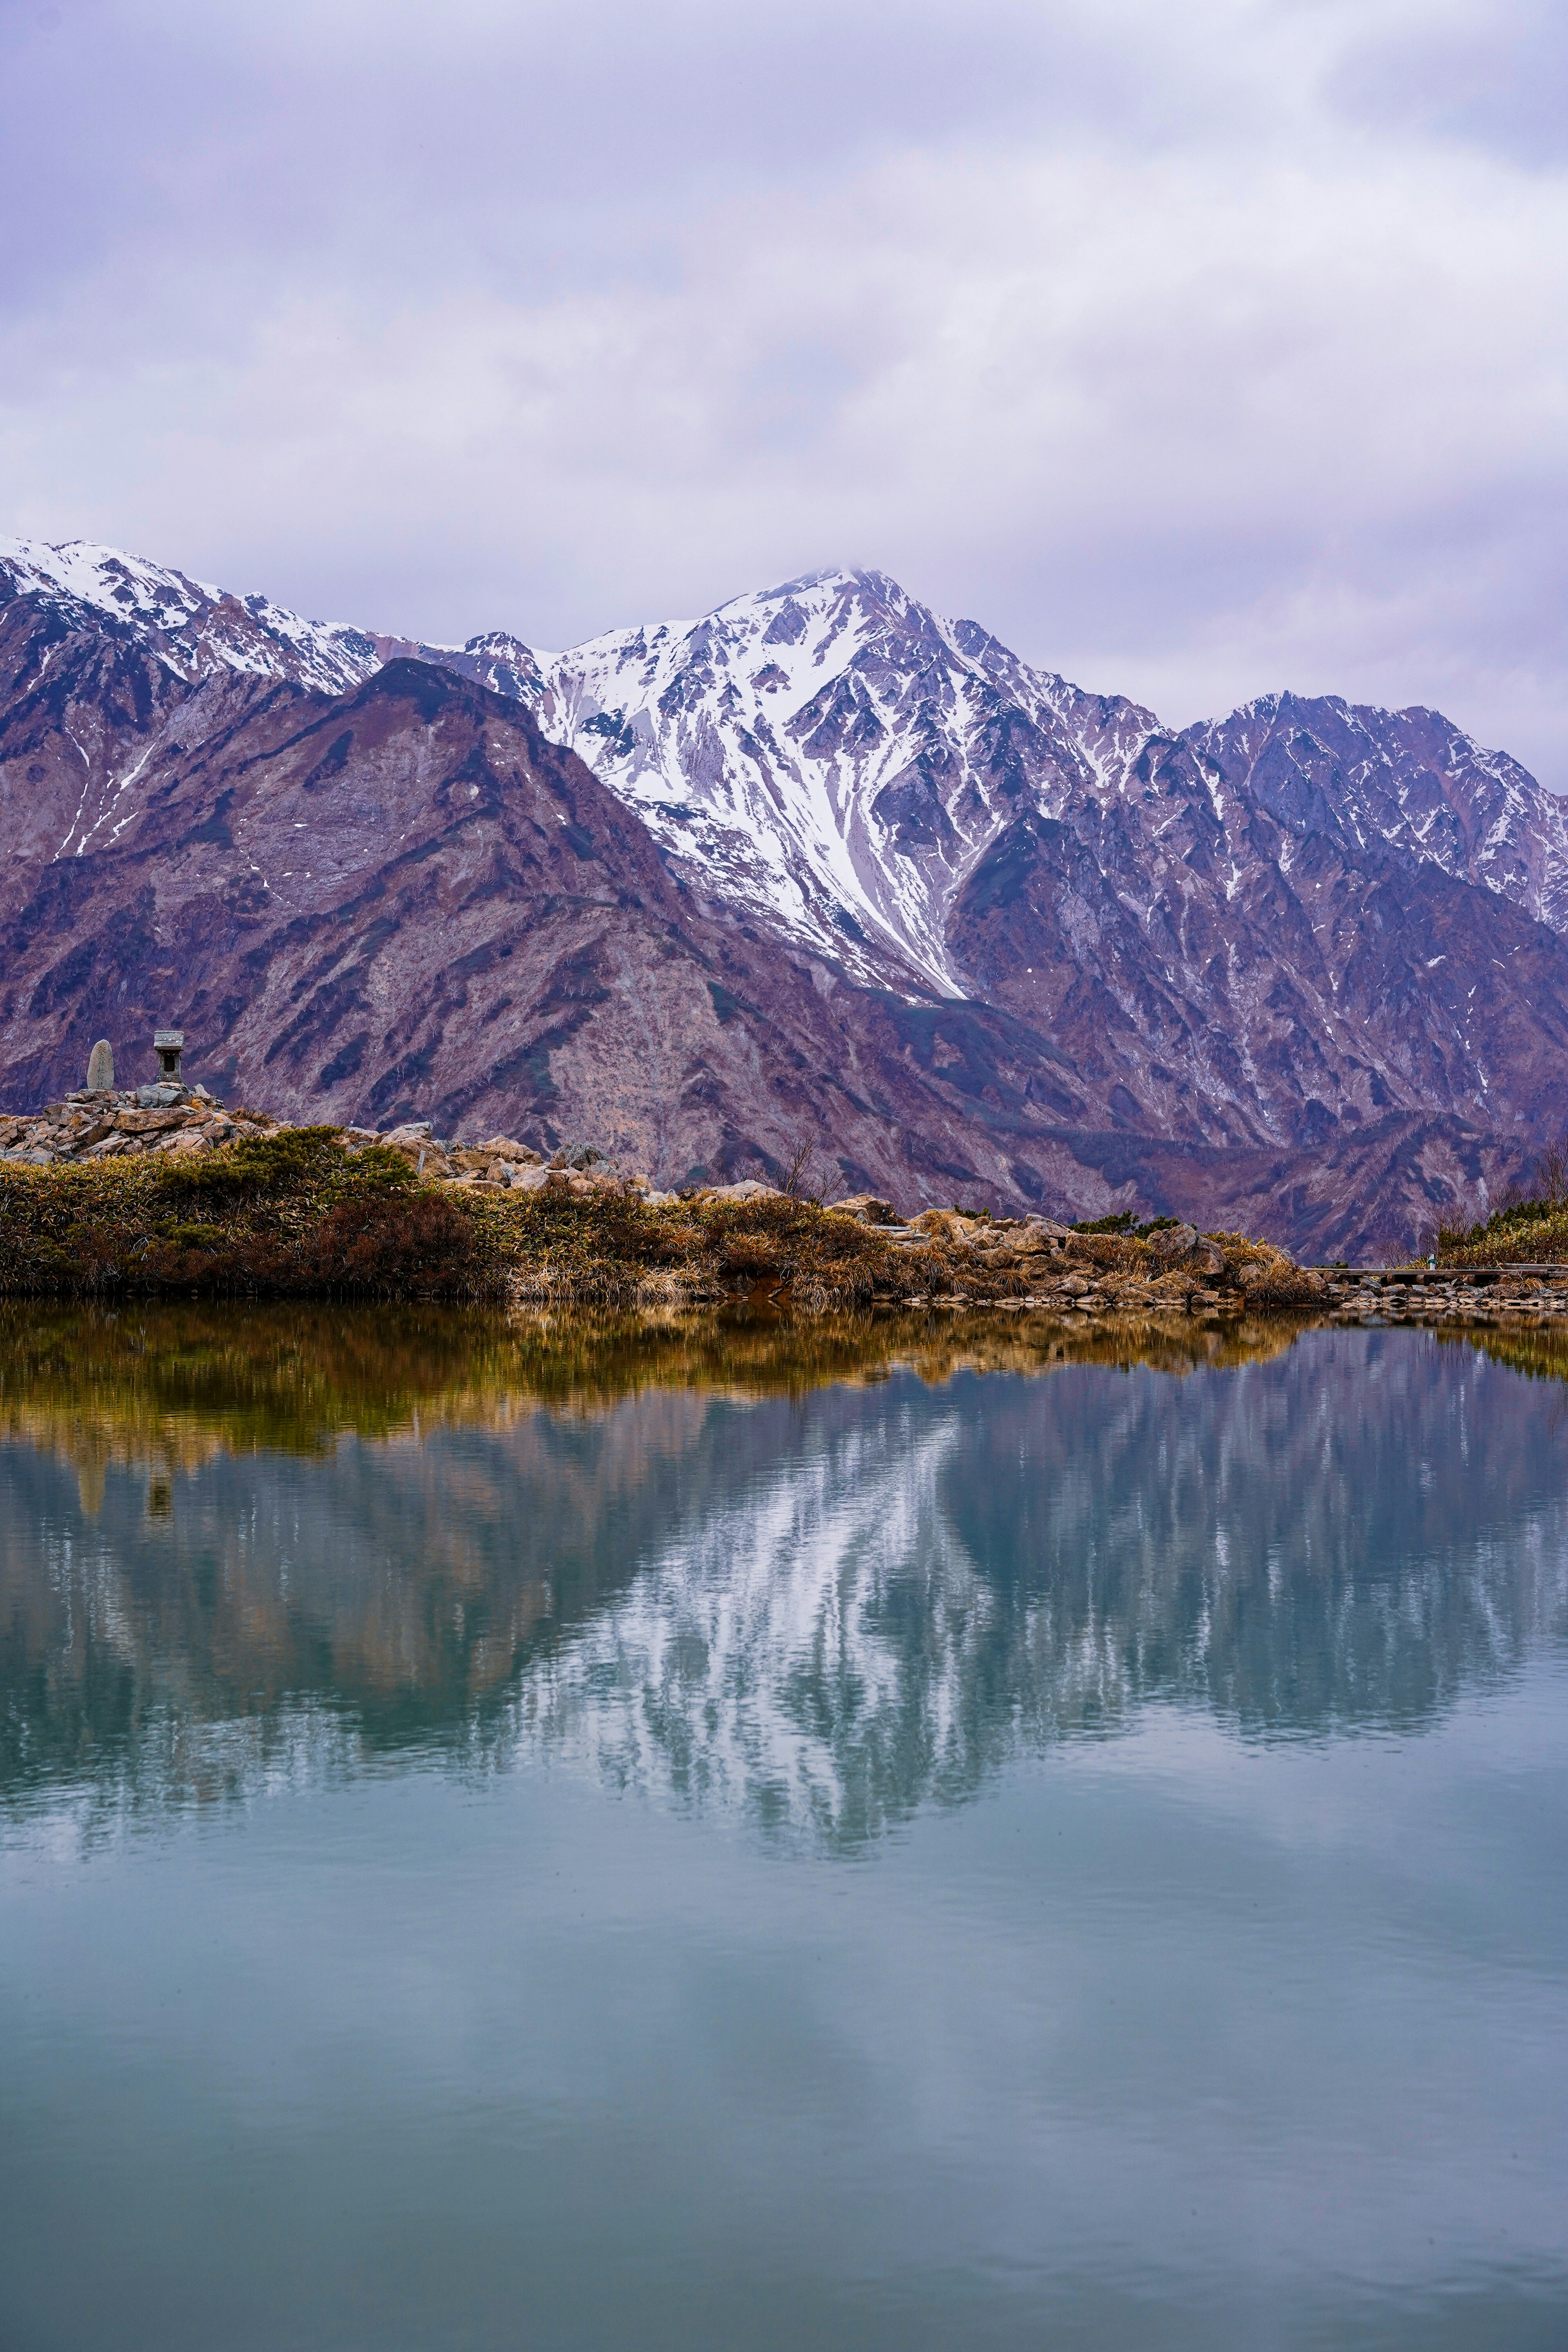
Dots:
{"x": 1197, "y": 352}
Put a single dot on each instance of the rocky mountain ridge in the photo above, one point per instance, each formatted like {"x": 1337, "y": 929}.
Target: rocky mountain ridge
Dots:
{"x": 974, "y": 926}
{"x": 796, "y": 727}
{"x": 834, "y": 749}
{"x": 192, "y": 626}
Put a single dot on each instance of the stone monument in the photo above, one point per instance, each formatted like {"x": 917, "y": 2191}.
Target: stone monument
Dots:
{"x": 100, "y": 1068}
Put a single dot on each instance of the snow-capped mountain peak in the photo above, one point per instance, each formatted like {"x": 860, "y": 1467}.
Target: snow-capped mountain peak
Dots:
{"x": 823, "y": 755}
{"x": 831, "y": 759}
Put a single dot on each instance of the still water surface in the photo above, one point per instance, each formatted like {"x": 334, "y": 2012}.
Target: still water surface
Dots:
{"x": 743, "y": 1838}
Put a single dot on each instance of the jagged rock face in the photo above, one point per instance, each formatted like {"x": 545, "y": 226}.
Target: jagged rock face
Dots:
{"x": 841, "y": 864}
{"x": 833, "y": 757}
{"x": 1408, "y": 779}
{"x": 1247, "y": 933}
{"x": 91, "y": 716}
{"x": 1269, "y": 990}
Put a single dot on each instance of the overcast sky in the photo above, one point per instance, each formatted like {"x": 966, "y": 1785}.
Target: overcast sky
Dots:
{"x": 1195, "y": 350}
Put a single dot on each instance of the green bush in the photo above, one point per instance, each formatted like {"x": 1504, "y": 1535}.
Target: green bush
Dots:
{"x": 1534, "y": 1229}
{"x": 188, "y": 1236}
{"x": 285, "y": 1162}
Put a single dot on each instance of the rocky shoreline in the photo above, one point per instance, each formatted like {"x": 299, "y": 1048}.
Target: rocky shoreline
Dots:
{"x": 160, "y": 1187}
{"x": 1440, "y": 1297}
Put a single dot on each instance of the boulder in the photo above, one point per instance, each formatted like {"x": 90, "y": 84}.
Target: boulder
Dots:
{"x": 423, "y": 1153}
{"x": 867, "y": 1208}
{"x": 503, "y": 1147}
{"x": 942, "y": 1224}
{"x": 1036, "y": 1241}
{"x": 148, "y": 1121}
{"x": 1172, "y": 1242}
{"x": 578, "y": 1184}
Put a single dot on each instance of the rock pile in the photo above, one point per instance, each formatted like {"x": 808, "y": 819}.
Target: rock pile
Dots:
{"x": 1445, "y": 1296}
{"x": 1177, "y": 1270}
{"x": 578, "y": 1170}
{"x": 103, "y": 1123}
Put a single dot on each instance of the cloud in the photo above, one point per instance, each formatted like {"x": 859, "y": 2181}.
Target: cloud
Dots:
{"x": 1490, "y": 77}
{"x": 1194, "y": 352}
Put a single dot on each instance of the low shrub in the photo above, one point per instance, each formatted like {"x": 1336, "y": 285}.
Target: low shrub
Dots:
{"x": 402, "y": 1248}
{"x": 1534, "y": 1230}
{"x": 293, "y": 1157}
{"x": 286, "y": 1215}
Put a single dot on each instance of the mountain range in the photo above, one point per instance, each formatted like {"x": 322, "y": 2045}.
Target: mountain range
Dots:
{"x": 820, "y": 867}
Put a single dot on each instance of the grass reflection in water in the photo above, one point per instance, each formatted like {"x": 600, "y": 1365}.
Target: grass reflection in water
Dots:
{"x": 167, "y": 1385}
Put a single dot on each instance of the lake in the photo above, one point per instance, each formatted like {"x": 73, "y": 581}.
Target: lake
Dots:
{"x": 740, "y": 1835}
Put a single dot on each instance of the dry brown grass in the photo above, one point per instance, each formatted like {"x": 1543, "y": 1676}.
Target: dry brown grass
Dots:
{"x": 295, "y": 1214}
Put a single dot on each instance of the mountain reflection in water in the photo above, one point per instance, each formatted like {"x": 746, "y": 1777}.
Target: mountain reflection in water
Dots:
{"x": 819, "y": 1575}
